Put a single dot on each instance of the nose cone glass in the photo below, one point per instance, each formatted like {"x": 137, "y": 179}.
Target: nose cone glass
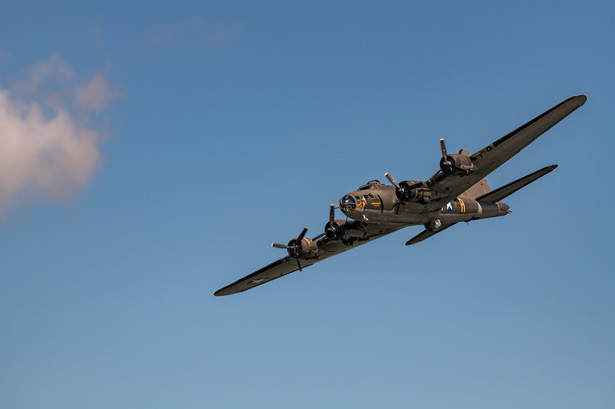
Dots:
{"x": 347, "y": 204}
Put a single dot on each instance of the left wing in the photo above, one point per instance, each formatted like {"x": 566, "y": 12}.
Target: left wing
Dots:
{"x": 446, "y": 187}
{"x": 358, "y": 233}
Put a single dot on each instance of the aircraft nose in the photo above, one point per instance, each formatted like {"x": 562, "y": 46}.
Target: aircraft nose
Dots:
{"x": 347, "y": 204}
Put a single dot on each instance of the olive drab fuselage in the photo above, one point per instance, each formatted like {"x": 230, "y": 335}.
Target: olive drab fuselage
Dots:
{"x": 378, "y": 203}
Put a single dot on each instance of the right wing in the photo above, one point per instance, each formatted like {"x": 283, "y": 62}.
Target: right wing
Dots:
{"x": 277, "y": 269}
{"x": 362, "y": 232}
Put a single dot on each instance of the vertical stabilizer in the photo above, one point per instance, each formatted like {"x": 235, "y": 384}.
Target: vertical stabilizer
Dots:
{"x": 479, "y": 189}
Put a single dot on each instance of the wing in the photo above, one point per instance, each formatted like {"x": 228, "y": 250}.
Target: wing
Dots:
{"x": 445, "y": 187}
{"x": 361, "y": 233}
{"x": 277, "y": 269}
{"x": 512, "y": 187}
{"x": 425, "y": 234}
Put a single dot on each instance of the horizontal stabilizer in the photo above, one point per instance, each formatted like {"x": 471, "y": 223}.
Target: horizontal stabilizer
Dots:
{"x": 509, "y": 189}
{"x": 425, "y": 234}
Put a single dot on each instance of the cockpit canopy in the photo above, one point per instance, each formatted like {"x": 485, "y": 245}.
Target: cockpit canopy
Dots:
{"x": 372, "y": 184}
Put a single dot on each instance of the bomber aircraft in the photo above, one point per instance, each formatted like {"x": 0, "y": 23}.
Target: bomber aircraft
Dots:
{"x": 458, "y": 192}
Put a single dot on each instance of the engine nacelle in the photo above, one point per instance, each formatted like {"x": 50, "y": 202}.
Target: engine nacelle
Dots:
{"x": 456, "y": 164}
{"x": 421, "y": 195}
{"x": 335, "y": 229}
{"x": 305, "y": 248}
{"x": 413, "y": 191}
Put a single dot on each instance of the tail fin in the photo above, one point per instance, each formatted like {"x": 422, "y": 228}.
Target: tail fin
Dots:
{"x": 479, "y": 189}
{"x": 512, "y": 187}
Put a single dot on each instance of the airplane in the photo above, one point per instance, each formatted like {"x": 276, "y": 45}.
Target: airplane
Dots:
{"x": 457, "y": 192}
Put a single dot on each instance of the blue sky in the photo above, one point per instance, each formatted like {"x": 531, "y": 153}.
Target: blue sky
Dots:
{"x": 152, "y": 152}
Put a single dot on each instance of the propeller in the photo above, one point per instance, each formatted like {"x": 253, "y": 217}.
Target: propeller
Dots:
{"x": 445, "y": 163}
{"x": 392, "y": 180}
{"x": 293, "y": 247}
{"x": 400, "y": 190}
{"x": 443, "y": 148}
{"x": 332, "y": 229}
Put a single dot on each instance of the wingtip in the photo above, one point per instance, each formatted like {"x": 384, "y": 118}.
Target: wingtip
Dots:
{"x": 580, "y": 99}
{"x": 223, "y": 291}
{"x": 413, "y": 240}
{"x": 548, "y": 169}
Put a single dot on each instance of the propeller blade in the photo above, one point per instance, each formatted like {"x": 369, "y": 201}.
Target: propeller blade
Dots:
{"x": 392, "y": 180}
{"x": 332, "y": 213}
{"x": 302, "y": 235}
{"x": 443, "y": 148}
{"x": 279, "y": 246}
{"x": 319, "y": 236}
{"x": 299, "y": 264}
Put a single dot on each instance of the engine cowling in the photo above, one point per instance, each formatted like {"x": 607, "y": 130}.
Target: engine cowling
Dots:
{"x": 334, "y": 229}
{"x": 456, "y": 164}
{"x": 413, "y": 191}
{"x": 303, "y": 247}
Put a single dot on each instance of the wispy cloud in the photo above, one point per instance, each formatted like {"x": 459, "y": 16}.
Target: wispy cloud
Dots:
{"x": 49, "y": 147}
{"x": 96, "y": 93}
{"x": 194, "y": 30}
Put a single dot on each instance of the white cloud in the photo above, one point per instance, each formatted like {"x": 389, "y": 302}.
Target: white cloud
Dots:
{"x": 96, "y": 94}
{"x": 45, "y": 149}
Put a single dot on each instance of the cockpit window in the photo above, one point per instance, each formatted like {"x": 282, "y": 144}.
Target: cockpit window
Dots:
{"x": 372, "y": 184}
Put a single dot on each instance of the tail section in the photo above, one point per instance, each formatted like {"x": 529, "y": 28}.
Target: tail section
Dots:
{"x": 490, "y": 204}
{"x": 479, "y": 189}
